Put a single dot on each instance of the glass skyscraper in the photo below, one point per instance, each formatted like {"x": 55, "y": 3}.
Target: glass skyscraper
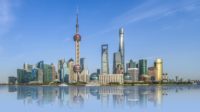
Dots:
{"x": 104, "y": 59}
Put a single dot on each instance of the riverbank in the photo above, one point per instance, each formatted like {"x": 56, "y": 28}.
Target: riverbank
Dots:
{"x": 110, "y": 84}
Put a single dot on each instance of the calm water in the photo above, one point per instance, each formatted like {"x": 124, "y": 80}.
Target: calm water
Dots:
{"x": 99, "y": 99}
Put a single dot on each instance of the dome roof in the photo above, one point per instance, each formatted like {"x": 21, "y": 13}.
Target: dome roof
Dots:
{"x": 77, "y": 37}
{"x": 94, "y": 76}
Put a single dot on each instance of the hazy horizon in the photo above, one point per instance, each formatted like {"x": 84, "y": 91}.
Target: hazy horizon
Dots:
{"x": 35, "y": 30}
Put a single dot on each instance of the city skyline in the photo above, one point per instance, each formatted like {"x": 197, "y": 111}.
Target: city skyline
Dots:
{"x": 31, "y": 43}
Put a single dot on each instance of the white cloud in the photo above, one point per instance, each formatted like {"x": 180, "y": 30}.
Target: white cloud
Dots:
{"x": 152, "y": 10}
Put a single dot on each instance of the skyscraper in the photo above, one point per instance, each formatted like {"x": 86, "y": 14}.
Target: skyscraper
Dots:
{"x": 117, "y": 63}
{"x": 82, "y": 63}
{"x": 47, "y": 74}
{"x": 54, "y": 74}
{"x": 159, "y": 69}
{"x": 121, "y": 47}
{"x": 28, "y": 67}
{"x": 77, "y": 39}
{"x": 61, "y": 69}
{"x": 104, "y": 59}
{"x": 72, "y": 76}
{"x": 142, "y": 67}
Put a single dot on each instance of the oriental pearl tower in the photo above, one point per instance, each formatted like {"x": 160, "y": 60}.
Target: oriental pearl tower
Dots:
{"x": 77, "y": 39}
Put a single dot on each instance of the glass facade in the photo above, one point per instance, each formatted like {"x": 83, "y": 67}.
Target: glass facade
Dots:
{"x": 104, "y": 59}
{"x": 142, "y": 67}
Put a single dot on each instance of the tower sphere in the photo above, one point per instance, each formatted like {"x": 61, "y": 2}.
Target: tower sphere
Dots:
{"x": 77, "y": 37}
{"x": 77, "y": 68}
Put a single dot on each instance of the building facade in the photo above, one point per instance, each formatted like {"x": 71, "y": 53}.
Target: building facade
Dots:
{"x": 134, "y": 73}
{"x": 142, "y": 68}
{"x": 152, "y": 73}
{"x": 47, "y": 74}
{"x": 104, "y": 59}
{"x": 121, "y": 48}
{"x": 111, "y": 78}
{"x": 12, "y": 80}
{"x": 159, "y": 69}
{"x": 117, "y": 63}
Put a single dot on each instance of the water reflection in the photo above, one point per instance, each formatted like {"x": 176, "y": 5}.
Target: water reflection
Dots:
{"x": 73, "y": 96}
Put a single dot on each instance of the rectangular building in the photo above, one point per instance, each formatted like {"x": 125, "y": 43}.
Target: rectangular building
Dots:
{"x": 111, "y": 78}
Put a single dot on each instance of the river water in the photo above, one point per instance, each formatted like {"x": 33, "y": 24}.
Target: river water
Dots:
{"x": 100, "y": 99}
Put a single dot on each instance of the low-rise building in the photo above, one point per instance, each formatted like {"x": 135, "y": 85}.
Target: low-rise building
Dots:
{"x": 111, "y": 78}
{"x": 12, "y": 80}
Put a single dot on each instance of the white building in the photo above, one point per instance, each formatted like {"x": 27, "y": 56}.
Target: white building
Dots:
{"x": 111, "y": 78}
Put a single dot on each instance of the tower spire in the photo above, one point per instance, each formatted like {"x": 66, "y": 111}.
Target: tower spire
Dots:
{"x": 77, "y": 25}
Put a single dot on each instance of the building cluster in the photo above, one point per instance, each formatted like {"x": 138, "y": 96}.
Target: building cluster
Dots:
{"x": 132, "y": 72}
{"x": 42, "y": 73}
{"x": 75, "y": 71}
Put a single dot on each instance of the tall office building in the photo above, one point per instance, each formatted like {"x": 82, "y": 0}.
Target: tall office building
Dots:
{"x": 152, "y": 73}
{"x": 23, "y": 76}
{"x": 134, "y": 73}
{"x": 12, "y": 80}
{"x": 72, "y": 76}
{"x": 40, "y": 64}
{"x": 77, "y": 39}
{"x": 98, "y": 71}
{"x": 121, "y": 47}
{"x": 34, "y": 75}
{"x": 61, "y": 69}
{"x": 47, "y": 73}
{"x": 82, "y": 63}
{"x": 104, "y": 59}
{"x": 159, "y": 69}
{"x": 132, "y": 64}
{"x": 28, "y": 67}
{"x": 117, "y": 63}
{"x": 142, "y": 67}
{"x": 40, "y": 75}
{"x": 54, "y": 74}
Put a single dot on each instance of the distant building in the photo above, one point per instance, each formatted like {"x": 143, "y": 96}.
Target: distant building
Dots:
{"x": 104, "y": 59}
{"x": 84, "y": 75}
{"x": 82, "y": 63}
{"x": 165, "y": 78}
{"x": 54, "y": 74}
{"x": 23, "y": 76}
{"x": 134, "y": 73}
{"x": 61, "y": 74}
{"x": 127, "y": 77}
{"x": 117, "y": 63}
{"x": 34, "y": 75}
{"x": 132, "y": 64}
{"x": 142, "y": 68}
{"x": 98, "y": 71}
{"x": 152, "y": 73}
{"x": 40, "y": 65}
{"x": 111, "y": 78}
{"x": 28, "y": 67}
{"x": 47, "y": 74}
{"x": 12, "y": 80}
{"x": 72, "y": 76}
{"x": 94, "y": 77}
{"x": 121, "y": 48}
{"x": 159, "y": 69}
{"x": 40, "y": 75}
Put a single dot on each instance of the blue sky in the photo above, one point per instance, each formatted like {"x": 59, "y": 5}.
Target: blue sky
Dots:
{"x": 34, "y": 30}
